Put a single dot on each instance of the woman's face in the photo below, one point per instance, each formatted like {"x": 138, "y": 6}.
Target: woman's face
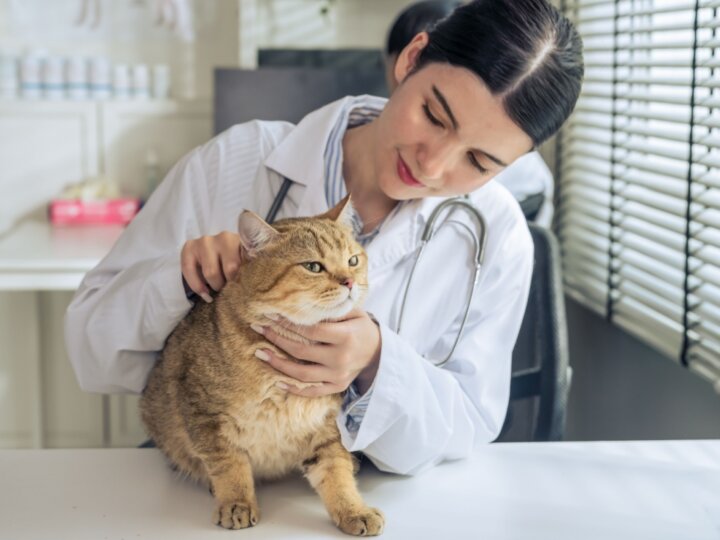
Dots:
{"x": 442, "y": 133}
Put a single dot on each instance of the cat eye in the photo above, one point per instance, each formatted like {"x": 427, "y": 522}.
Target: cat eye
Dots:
{"x": 353, "y": 260}
{"x": 314, "y": 267}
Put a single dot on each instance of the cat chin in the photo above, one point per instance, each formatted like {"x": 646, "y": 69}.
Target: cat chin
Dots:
{"x": 323, "y": 314}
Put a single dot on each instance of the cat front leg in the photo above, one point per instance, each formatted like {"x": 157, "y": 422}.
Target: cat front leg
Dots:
{"x": 229, "y": 471}
{"x": 330, "y": 471}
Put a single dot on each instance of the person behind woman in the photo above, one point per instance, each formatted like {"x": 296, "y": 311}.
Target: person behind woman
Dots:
{"x": 484, "y": 87}
{"x": 528, "y": 178}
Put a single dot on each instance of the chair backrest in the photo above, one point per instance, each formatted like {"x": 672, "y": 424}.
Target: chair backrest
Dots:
{"x": 541, "y": 376}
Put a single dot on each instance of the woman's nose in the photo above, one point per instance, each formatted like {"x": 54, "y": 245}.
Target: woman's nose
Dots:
{"x": 434, "y": 159}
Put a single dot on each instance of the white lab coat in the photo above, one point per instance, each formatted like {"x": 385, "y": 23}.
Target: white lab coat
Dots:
{"x": 418, "y": 414}
{"x": 529, "y": 175}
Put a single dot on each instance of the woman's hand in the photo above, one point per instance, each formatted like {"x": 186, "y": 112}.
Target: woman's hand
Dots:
{"x": 209, "y": 262}
{"x": 340, "y": 352}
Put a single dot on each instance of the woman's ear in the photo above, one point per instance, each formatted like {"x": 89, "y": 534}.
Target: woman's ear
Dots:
{"x": 408, "y": 57}
{"x": 254, "y": 232}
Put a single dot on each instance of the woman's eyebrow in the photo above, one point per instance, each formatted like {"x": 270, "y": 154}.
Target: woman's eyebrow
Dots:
{"x": 441, "y": 98}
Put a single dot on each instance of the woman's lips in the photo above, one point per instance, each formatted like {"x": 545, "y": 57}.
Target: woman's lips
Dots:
{"x": 405, "y": 174}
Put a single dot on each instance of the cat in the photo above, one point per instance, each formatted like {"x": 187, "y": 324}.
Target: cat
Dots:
{"x": 214, "y": 409}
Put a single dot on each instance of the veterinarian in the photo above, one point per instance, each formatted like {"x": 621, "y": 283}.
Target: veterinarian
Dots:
{"x": 482, "y": 89}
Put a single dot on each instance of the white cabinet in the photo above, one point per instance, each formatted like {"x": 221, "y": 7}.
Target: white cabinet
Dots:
{"x": 131, "y": 129}
{"x": 20, "y": 381}
{"x": 70, "y": 418}
{"x": 47, "y": 145}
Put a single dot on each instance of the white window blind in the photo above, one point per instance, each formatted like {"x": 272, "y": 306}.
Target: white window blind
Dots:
{"x": 639, "y": 169}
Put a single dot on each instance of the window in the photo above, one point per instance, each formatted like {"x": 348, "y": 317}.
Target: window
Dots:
{"x": 639, "y": 168}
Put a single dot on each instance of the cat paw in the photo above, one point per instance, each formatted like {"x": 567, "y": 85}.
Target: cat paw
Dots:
{"x": 236, "y": 515}
{"x": 368, "y": 522}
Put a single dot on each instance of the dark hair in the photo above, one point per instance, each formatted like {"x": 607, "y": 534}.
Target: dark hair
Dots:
{"x": 525, "y": 51}
{"x": 416, "y": 18}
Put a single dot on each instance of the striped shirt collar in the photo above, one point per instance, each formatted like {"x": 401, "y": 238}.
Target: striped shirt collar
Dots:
{"x": 356, "y": 112}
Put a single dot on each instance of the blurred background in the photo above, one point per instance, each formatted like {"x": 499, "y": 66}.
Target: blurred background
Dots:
{"x": 99, "y": 98}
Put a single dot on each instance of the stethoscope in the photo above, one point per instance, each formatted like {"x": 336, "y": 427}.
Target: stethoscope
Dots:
{"x": 479, "y": 239}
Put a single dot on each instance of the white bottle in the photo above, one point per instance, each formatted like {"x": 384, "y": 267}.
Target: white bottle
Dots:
{"x": 100, "y": 78}
{"x": 152, "y": 171}
{"x": 53, "y": 77}
{"x": 121, "y": 81}
{"x": 76, "y": 76}
{"x": 140, "y": 81}
{"x": 31, "y": 74}
{"x": 9, "y": 80}
{"x": 161, "y": 81}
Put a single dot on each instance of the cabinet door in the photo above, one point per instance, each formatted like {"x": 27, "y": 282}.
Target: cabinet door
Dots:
{"x": 71, "y": 418}
{"x": 45, "y": 146}
{"x": 126, "y": 429}
{"x": 20, "y": 379}
{"x": 133, "y": 129}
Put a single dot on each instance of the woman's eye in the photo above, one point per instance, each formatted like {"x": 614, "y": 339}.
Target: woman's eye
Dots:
{"x": 314, "y": 267}
{"x": 475, "y": 163}
{"x": 433, "y": 119}
{"x": 353, "y": 260}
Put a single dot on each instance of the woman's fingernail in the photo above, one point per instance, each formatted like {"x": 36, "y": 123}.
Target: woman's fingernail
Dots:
{"x": 206, "y": 297}
{"x": 282, "y": 385}
{"x": 259, "y": 329}
{"x": 272, "y": 316}
{"x": 262, "y": 355}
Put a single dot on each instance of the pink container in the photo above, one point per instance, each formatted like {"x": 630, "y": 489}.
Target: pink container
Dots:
{"x": 104, "y": 212}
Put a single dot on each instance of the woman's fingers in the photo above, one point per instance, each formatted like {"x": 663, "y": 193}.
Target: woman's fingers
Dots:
{"x": 209, "y": 262}
{"x": 303, "y": 372}
{"x": 192, "y": 273}
{"x": 310, "y": 353}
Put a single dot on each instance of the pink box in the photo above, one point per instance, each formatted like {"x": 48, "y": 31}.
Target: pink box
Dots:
{"x": 79, "y": 212}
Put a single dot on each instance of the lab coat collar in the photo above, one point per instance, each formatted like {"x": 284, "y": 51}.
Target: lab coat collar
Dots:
{"x": 298, "y": 157}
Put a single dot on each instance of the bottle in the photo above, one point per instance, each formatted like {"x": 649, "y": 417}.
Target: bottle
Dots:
{"x": 121, "y": 81}
{"x": 8, "y": 76}
{"x": 152, "y": 171}
{"x": 100, "y": 78}
{"x": 161, "y": 81}
{"x": 53, "y": 78}
{"x": 31, "y": 74}
{"x": 140, "y": 81}
{"x": 76, "y": 75}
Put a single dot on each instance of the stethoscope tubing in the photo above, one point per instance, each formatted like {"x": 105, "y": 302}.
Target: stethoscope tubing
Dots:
{"x": 479, "y": 241}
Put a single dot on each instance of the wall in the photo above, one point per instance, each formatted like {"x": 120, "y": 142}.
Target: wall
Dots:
{"x": 622, "y": 389}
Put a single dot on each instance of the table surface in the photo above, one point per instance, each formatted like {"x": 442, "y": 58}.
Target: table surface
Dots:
{"x": 34, "y": 255}
{"x": 628, "y": 490}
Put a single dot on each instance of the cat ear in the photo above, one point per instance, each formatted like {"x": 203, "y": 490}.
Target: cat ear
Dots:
{"x": 342, "y": 212}
{"x": 255, "y": 233}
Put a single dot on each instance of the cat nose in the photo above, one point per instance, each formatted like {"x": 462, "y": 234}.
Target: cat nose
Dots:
{"x": 348, "y": 282}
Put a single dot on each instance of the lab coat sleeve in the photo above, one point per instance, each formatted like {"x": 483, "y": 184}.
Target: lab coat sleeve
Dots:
{"x": 418, "y": 414}
{"x": 128, "y": 304}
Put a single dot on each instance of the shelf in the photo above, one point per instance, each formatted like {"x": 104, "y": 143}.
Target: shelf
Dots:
{"x": 34, "y": 255}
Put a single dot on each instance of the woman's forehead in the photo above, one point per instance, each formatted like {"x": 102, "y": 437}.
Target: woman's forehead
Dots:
{"x": 479, "y": 115}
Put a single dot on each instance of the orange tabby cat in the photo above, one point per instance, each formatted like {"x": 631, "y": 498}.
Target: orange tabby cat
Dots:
{"x": 214, "y": 408}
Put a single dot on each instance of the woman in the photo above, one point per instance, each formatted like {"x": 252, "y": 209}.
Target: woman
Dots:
{"x": 528, "y": 179}
{"x": 485, "y": 87}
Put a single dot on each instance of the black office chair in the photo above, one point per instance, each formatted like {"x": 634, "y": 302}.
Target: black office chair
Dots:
{"x": 541, "y": 374}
